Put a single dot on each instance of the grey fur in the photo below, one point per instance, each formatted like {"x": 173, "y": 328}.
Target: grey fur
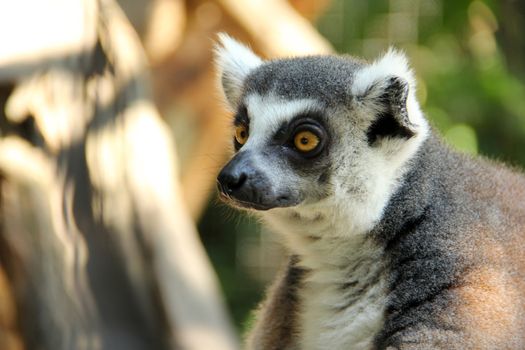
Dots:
{"x": 429, "y": 230}
{"x": 324, "y": 78}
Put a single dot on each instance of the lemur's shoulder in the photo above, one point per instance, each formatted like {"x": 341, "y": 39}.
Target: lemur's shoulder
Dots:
{"x": 455, "y": 237}
{"x": 277, "y": 324}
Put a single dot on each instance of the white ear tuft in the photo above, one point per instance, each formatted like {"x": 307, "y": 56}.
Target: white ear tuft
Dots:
{"x": 392, "y": 64}
{"x": 387, "y": 87}
{"x": 234, "y": 61}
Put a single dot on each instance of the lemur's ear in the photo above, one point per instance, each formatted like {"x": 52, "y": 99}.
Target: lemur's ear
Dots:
{"x": 234, "y": 61}
{"x": 387, "y": 87}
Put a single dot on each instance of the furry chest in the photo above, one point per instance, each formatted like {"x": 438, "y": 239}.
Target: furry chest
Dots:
{"x": 343, "y": 309}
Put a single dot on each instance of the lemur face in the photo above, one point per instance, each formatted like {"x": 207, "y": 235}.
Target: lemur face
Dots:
{"x": 282, "y": 148}
{"x": 307, "y": 128}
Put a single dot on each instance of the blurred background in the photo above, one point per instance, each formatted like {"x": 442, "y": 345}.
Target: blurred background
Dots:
{"x": 112, "y": 132}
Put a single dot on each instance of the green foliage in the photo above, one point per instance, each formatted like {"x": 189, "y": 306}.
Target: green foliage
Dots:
{"x": 222, "y": 229}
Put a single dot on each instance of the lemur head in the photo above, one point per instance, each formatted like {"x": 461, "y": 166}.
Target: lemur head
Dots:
{"x": 317, "y": 129}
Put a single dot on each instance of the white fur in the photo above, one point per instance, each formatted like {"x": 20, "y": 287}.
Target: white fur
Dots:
{"x": 235, "y": 61}
{"x": 392, "y": 64}
{"x": 351, "y": 327}
{"x": 334, "y": 260}
{"x": 268, "y": 112}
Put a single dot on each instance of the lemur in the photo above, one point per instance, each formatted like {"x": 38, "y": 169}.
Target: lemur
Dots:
{"x": 396, "y": 241}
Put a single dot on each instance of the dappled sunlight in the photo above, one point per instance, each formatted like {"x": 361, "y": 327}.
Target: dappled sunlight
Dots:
{"x": 51, "y": 98}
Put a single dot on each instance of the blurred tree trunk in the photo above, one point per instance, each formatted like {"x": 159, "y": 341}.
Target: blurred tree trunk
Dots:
{"x": 96, "y": 249}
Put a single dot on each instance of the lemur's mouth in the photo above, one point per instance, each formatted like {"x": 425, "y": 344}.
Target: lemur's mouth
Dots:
{"x": 243, "y": 204}
{"x": 279, "y": 202}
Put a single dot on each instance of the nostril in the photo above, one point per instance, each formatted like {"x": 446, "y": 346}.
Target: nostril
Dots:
{"x": 229, "y": 182}
{"x": 236, "y": 182}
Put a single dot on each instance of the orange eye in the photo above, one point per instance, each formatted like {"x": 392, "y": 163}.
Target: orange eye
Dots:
{"x": 241, "y": 134}
{"x": 306, "y": 141}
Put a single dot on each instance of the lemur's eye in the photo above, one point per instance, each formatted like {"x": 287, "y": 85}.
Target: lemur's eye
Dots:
{"x": 241, "y": 134}
{"x": 306, "y": 141}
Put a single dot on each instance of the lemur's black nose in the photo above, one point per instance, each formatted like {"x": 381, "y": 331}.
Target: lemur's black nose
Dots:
{"x": 237, "y": 177}
{"x": 231, "y": 181}
{"x": 244, "y": 183}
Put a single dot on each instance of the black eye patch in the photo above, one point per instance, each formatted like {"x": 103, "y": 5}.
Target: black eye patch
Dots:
{"x": 308, "y": 139}
{"x": 312, "y": 121}
{"x": 287, "y": 129}
{"x": 241, "y": 117}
